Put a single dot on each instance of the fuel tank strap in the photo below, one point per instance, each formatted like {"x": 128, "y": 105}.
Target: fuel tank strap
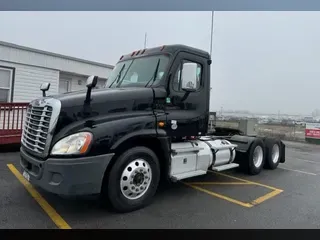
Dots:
{"x": 213, "y": 152}
{"x": 184, "y": 150}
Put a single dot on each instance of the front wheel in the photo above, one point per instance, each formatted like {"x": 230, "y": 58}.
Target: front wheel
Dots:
{"x": 133, "y": 179}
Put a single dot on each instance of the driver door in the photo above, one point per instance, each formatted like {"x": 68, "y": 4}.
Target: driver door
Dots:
{"x": 187, "y": 106}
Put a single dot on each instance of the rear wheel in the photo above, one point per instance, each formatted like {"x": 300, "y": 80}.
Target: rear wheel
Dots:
{"x": 256, "y": 157}
{"x": 133, "y": 180}
{"x": 273, "y": 153}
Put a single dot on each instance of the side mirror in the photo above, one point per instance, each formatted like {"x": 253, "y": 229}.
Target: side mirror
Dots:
{"x": 189, "y": 77}
{"x": 44, "y": 87}
{"x": 92, "y": 81}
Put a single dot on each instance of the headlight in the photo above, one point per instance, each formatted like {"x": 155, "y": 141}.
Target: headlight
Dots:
{"x": 74, "y": 144}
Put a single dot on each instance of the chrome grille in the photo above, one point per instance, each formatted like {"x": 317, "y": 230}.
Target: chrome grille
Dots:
{"x": 39, "y": 122}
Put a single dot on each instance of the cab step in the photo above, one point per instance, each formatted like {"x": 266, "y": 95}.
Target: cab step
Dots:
{"x": 185, "y": 175}
{"x": 225, "y": 167}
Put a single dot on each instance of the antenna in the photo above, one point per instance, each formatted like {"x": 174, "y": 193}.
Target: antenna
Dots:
{"x": 145, "y": 40}
{"x": 211, "y": 39}
{"x": 211, "y": 42}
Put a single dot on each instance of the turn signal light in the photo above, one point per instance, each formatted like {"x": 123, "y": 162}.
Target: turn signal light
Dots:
{"x": 161, "y": 124}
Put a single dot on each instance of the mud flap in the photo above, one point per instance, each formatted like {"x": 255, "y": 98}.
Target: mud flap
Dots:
{"x": 283, "y": 152}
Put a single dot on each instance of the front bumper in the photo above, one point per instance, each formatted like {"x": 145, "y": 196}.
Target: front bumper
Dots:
{"x": 70, "y": 177}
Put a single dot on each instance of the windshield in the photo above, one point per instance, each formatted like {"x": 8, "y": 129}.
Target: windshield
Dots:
{"x": 138, "y": 72}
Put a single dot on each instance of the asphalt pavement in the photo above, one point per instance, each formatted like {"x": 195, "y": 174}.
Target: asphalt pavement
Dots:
{"x": 288, "y": 197}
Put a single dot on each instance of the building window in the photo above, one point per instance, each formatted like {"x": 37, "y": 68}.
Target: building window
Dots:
{"x": 5, "y": 85}
{"x": 64, "y": 86}
{"x": 101, "y": 83}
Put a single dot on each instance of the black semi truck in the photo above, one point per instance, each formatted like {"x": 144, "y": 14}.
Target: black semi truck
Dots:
{"x": 150, "y": 122}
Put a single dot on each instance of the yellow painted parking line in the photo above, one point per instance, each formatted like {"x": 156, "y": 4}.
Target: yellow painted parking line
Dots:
{"x": 240, "y": 181}
{"x": 220, "y": 183}
{"x": 244, "y": 180}
{"x": 266, "y": 197}
{"x": 51, "y": 212}
{"x": 243, "y": 204}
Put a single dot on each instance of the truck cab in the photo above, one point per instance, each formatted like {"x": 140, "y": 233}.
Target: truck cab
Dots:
{"x": 150, "y": 122}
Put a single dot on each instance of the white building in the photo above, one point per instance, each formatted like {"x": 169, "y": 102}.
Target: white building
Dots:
{"x": 24, "y": 69}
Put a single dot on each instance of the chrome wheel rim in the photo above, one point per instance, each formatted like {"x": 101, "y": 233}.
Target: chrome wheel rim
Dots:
{"x": 257, "y": 156}
{"x": 275, "y": 153}
{"x": 135, "y": 179}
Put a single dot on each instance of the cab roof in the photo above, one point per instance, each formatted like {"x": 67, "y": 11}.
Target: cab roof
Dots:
{"x": 171, "y": 49}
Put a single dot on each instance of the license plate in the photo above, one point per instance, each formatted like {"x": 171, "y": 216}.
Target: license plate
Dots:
{"x": 26, "y": 175}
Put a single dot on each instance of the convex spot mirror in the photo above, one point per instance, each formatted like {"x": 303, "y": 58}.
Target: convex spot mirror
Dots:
{"x": 44, "y": 86}
{"x": 189, "y": 77}
{"x": 92, "y": 81}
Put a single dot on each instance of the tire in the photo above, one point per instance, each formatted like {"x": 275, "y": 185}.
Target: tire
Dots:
{"x": 273, "y": 153}
{"x": 256, "y": 157}
{"x": 136, "y": 171}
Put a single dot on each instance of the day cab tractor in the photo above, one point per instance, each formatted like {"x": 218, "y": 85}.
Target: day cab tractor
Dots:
{"x": 149, "y": 122}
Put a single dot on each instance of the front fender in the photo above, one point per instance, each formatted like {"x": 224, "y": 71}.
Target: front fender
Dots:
{"x": 152, "y": 133}
{"x": 156, "y": 140}
{"x": 109, "y": 131}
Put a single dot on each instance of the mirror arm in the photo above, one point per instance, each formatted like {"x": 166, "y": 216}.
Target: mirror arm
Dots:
{"x": 185, "y": 96}
{"x": 88, "y": 96}
{"x": 44, "y": 87}
{"x": 91, "y": 83}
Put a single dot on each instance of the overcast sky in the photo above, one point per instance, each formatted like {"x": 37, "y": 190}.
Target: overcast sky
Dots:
{"x": 262, "y": 61}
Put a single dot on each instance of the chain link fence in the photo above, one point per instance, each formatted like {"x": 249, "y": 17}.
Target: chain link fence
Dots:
{"x": 284, "y": 132}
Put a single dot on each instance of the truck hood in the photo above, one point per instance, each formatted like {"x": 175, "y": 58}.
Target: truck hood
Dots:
{"x": 108, "y": 101}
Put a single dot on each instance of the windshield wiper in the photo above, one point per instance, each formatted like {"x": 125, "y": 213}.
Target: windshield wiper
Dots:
{"x": 117, "y": 79}
{"x": 154, "y": 74}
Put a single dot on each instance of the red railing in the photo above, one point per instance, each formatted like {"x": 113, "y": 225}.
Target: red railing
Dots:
{"x": 11, "y": 122}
